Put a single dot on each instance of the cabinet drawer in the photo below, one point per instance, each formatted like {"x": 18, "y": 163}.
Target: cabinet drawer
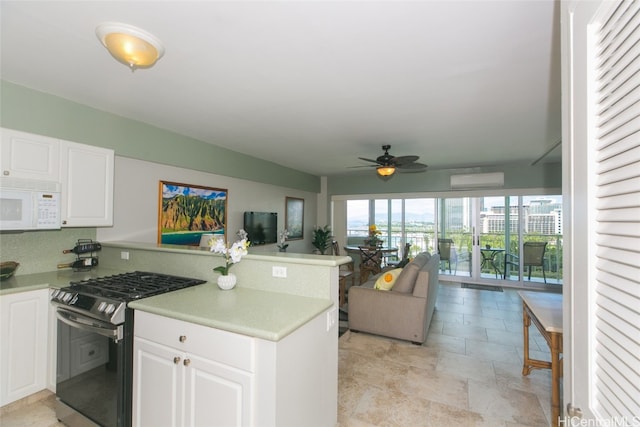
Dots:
{"x": 213, "y": 344}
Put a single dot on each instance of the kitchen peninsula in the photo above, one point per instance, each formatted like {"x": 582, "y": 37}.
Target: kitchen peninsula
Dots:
{"x": 264, "y": 353}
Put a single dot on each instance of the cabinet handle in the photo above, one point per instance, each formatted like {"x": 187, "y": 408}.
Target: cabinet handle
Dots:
{"x": 187, "y": 362}
{"x": 182, "y": 338}
{"x": 176, "y": 360}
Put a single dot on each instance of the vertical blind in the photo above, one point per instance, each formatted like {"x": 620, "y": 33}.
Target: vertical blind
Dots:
{"x": 616, "y": 151}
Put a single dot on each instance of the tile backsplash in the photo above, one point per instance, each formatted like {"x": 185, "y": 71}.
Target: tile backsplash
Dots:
{"x": 41, "y": 251}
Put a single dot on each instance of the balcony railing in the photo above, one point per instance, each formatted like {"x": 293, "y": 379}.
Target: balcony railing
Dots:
{"x": 424, "y": 241}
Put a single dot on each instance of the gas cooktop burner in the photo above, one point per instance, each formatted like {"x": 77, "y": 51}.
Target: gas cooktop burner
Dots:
{"x": 132, "y": 286}
{"x": 105, "y": 298}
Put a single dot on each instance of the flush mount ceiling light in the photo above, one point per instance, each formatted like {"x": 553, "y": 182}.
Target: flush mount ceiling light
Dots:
{"x": 385, "y": 170}
{"x": 130, "y": 45}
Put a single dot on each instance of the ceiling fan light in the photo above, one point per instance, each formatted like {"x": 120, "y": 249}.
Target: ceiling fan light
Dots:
{"x": 130, "y": 45}
{"x": 385, "y": 170}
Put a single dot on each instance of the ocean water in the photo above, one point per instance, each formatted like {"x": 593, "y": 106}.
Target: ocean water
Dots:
{"x": 186, "y": 237}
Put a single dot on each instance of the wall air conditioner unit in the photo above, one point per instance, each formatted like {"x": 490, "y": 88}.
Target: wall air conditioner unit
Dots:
{"x": 478, "y": 180}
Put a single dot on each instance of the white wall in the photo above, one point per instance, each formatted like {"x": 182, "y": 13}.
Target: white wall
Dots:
{"x": 136, "y": 202}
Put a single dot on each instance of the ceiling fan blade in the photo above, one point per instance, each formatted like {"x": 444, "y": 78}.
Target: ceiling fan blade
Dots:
{"x": 362, "y": 166}
{"x": 369, "y": 160}
{"x": 402, "y": 163}
{"x": 402, "y": 160}
{"x": 413, "y": 166}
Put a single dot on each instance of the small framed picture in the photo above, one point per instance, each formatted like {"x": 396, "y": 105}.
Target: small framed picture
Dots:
{"x": 186, "y": 212}
{"x": 294, "y": 217}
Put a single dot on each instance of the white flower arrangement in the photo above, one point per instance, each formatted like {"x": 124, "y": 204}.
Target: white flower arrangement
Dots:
{"x": 232, "y": 255}
{"x": 284, "y": 234}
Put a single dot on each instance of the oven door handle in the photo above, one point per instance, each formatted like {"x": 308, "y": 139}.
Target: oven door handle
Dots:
{"x": 88, "y": 324}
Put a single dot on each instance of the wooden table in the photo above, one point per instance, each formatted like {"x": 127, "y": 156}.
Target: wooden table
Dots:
{"x": 545, "y": 311}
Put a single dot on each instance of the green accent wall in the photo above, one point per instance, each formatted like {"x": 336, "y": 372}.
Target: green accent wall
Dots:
{"x": 32, "y": 111}
{"x": 36, "y": 112}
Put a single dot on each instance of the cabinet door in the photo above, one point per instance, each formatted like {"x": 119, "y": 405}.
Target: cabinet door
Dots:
{"x": 23, "y": 348}
{"x": 158, "y": 377}
{"x": 86, "y": 174}
{"x": 216, "y": 395}
{"x": 27, "y": 156}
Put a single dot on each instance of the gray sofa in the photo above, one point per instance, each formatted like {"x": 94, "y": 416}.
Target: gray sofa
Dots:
{"x": 405, "y": 311}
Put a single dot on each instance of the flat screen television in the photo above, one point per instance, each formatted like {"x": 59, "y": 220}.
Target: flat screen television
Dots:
{"x": 261, "y": 227}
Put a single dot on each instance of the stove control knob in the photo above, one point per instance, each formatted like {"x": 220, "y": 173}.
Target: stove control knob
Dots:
{"x": 55, "y": 293}
{"x": 102, "y": 306}
{"x": 66, "y": 296}
{"x": 110, "y": 308}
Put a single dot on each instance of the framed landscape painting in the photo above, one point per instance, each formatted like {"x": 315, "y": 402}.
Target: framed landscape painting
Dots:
{"x": 187, "y": 211}
{"x": 294, "y": 217}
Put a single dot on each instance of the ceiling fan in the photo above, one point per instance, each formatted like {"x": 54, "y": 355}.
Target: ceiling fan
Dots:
{"x": 387, "y": 164}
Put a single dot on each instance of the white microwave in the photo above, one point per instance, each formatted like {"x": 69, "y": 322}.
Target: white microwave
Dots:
{"x": 29, "y": 205}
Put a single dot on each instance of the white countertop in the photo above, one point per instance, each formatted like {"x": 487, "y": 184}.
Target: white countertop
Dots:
{"x": 248, "y": 310}
{"x": 51, "y": 279}
{"x": 546, "y": 307}
{"x": 290, "y": 257}
{"x": 262, "y": 314}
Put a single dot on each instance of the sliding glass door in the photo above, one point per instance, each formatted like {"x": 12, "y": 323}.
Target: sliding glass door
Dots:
{"x": 497, "y": 234}
{"x": 455, "y": 236}
{"x": 537, "y": 256}
{"x": 483, "y": 239}
{"x": 511, "y": 239}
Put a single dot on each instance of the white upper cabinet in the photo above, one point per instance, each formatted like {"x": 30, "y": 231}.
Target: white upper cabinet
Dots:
{"x": 86, "y": 175}
{"x": 27, "y": 156}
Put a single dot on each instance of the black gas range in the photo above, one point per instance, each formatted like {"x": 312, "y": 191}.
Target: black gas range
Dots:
{"x": 95, "y": 344}
{"x": 106, "y": 297}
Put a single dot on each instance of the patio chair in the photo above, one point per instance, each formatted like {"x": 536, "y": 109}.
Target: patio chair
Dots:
{"x": 447, "y": 253}
{"x": 404, "y": 259}
{"x": 532, "y": 256}
{"x": 345, "y": 272}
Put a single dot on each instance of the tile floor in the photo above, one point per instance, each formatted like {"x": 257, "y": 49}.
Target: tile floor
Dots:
{"x": 34, "y": 411}
{"x": 467, "y": 374}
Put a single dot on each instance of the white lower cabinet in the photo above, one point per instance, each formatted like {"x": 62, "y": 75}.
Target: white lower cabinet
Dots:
{"x": 192, "y": 375}
{"x": 23, "y": 344}
{"x": 183, "y": 375}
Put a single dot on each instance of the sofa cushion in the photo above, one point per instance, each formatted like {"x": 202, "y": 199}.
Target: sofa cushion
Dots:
{"x": 387, "y": 279}
{"x": 421, "y": 259}
{"x": 407, "y": 279}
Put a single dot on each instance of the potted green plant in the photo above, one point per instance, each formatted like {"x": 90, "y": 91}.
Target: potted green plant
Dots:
{"x": 321, "y": 238}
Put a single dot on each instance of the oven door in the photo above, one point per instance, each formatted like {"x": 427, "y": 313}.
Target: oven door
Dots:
{"x": 90, "y": 375}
